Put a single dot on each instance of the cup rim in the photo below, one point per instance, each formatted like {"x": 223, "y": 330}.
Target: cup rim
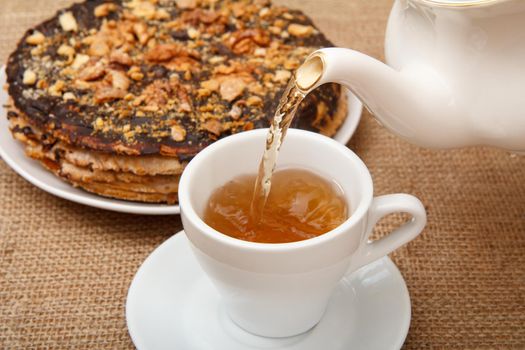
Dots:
{"x": 190, "y": 214}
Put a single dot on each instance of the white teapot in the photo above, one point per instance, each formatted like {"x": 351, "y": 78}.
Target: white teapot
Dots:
{"x": 455, "y": 75}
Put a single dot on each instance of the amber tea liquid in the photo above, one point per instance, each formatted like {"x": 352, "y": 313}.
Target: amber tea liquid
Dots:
{"x": 301, "y": 205}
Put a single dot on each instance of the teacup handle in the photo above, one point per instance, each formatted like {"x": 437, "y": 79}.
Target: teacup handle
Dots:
{"x": 382, "y": 206}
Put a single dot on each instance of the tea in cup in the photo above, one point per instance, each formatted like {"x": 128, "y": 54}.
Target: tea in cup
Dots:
{"x": 300, "y": 205}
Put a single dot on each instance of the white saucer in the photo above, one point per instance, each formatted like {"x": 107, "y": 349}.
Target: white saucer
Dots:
{"x": 12, "y": 153}
{"x": 171, "y": 304}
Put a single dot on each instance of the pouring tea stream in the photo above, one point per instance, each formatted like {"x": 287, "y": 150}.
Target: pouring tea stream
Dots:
{"x": 455, "y": 75}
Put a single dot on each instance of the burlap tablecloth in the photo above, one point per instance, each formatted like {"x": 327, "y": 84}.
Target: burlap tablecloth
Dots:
{"x": 65, "y": 268}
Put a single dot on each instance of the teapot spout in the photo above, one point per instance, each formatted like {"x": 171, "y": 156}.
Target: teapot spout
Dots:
{"x": 410, "y": 103}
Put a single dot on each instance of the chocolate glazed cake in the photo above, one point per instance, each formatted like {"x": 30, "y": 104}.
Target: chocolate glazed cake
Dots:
{"x": 115, "y": 97}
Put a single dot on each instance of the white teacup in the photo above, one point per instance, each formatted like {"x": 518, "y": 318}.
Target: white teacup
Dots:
{"x": 280, "y": 290}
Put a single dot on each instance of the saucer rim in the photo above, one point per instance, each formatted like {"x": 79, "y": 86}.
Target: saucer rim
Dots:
{"x": 133, "y": 333}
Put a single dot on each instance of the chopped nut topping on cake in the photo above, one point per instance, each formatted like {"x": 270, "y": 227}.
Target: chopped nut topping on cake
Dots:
{"x": 29, "y": 77}
{"x": 282, "y": 76}
{"x": 79, "y": 61}
{"x": 68, "y": 51}
{"x": 56, "y": 88}
{"x": 231, "y": 88}
{"x": 193, "y": 33}
{"x": 108, "y": 93}
{"x": 254, "y": 101}
{"x": 177, "y": 133}
{"x": 119, "y": 80}
{"x": 92, "y": 72}
{"x": 104, "y": 9}
{"x": 69, "y": 96}
{"x": 135, "y": 73}
{"x": 35, "y": 38}
{"x": 235, "y": 112}
{"x": 68, "y": 22}
{"x": 300, "y": 30}
{"x": 144, "y": 9}
{"x": 119, "y": 56}
{"x": 245, "y": 41}
{"x": 212, "y": 84}
{"x": 213, "y": 126}
{"x": 186, "y": 4}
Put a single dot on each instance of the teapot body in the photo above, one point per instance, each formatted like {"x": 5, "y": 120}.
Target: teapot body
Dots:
{"x": 476, "y": 49}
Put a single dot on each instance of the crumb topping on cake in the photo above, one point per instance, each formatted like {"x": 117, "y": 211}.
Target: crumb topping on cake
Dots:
{"x": 162, "y": 76}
